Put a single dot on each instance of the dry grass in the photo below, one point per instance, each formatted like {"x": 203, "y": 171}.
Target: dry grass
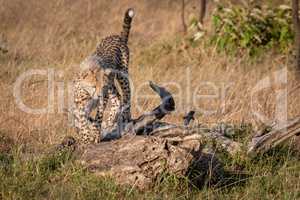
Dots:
{"x": 58, "y": 35}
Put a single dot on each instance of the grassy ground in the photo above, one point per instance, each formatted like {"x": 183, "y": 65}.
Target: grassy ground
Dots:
{"x": 272, "y": 176}
{"x": 58, "y": 35}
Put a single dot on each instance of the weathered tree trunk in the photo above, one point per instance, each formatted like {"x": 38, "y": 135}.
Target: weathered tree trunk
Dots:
{"x": 141, "y": 160}
{"x": 137, "y": 161}
{"x": 296, "y": 22}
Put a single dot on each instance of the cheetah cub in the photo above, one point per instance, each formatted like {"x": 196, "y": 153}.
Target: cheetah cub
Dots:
{"x": 104, "y": 77}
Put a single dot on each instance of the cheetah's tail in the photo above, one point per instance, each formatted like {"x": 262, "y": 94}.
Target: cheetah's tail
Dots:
{"x": 127, "y": 24}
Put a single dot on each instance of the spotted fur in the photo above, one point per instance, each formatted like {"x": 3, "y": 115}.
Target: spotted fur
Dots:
{"x": 103, "y": 77}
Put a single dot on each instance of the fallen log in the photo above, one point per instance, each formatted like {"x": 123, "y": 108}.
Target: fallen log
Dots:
{"x": 141, "y": 160}
{"x": 265, "y": 142}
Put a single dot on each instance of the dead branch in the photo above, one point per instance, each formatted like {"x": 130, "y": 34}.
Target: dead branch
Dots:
{"x": 272, "y": 139}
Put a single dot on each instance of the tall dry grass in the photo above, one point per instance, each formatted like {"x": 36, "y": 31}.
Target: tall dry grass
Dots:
{"x": 59, "y": 34}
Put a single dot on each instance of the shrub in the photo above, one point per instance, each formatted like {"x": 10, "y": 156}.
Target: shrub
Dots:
{"x": 239, "y": 29}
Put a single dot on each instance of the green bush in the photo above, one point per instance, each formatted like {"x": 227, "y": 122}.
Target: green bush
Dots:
{"x": 252, "y": 30}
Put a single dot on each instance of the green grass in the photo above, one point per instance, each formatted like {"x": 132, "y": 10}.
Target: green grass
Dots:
{"x": 275, "y": 175}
